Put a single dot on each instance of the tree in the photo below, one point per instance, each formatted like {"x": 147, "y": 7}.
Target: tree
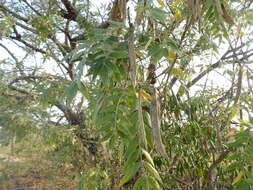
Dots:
{"x": 138, "y": 76}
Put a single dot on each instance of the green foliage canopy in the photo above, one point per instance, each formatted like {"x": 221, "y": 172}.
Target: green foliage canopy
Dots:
{"x": 159, "y": 91}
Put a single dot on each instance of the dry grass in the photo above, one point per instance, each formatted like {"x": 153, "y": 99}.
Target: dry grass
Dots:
{"x": 34, "y": 171}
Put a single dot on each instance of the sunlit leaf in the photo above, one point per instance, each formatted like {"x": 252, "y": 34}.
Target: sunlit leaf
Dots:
{"x": 148, "y": 157}
{"x": 153, "y": 183}
{"x": 161, "y": 3}
{"x": 172, "y": 55}
{"x": 238, "y": 177}
{"x": 145, "y": 95}
{"x": 152, "y": 171}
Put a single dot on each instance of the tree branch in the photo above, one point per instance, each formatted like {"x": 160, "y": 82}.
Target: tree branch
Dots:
{"x": 71, "y": 12}
{"x": 6, "y": 10}
{"x": 222, "y": 156}
{"x": 27, "y": 44}
{"x": 9, "y": 52}
{"x": 31, "y": 7}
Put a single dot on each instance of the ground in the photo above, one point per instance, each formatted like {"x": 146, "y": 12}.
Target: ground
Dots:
{"x": 23, "y": 172}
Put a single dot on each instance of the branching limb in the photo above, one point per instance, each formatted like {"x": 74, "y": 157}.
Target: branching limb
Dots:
{"x": 28, "y": 44}
{"x": 32, "y": 8}
{"x": 211, "y": 169}
{"x": 8, "y": 11}
{"x": 71, "y": 12}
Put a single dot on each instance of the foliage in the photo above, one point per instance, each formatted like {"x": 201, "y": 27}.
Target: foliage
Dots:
{"x": 153, "y": 94}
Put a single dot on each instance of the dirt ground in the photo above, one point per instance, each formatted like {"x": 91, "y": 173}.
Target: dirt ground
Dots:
{"x": 22, "y": 174}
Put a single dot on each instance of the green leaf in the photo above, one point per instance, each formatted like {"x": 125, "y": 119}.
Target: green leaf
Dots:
{"x": 249, "y": 17}
{"x": 123, "y": 131}
{"x": 157, "y": 52}
{"x": 173, "y": 44}
{"x": 149, "y": 136}
{"x": 133, "y": 157}
{"x": 132, "y": 146}
{"x": 139, "y": 183}
{"x": 158, "y": 14}
{"x": 99, "y": 104}
{"x": 129, "y": 174}
{"x": 118, "y": 54}
{"x": 108, "y": 136}
{"x": 116, "y": 24}
{"x": 182, "y": 90}
{"x": 71, "y": 91}
{"x": 81, "y": 184}
{"x": 242, "y": 185}
{"x": 82, "y": 88}
{"x": 152, "y": 171}
{"x": 80, "y": 69}
{"x": 76, "y": 57}
{"x": 153, "y": 183}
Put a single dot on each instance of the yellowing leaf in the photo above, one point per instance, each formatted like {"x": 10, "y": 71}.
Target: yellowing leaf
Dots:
{"x": 251, "y": 170}
{"x": 178, "y": 13}
{"x": 148, "y": 157}
{"x": 241, "y": 128}
{"x": 240, "y": 34}
{"x": 172, "y": 54}
{"x": 238, "y": 178}
{"x": 13, "y": 117}
{"x": 161, "y": 3}
{"x": 175, "y": 3}
{"x": 138, "y": 55}
{"x": 231, "y": 133}
{"x": 145, "y": 95}
{"x": 177, "y": 71}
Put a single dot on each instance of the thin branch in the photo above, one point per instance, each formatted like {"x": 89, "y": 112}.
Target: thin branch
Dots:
{"x": 222, "y": 156}
{"x": 32, "y": 8}
{"x": 22, "y": 91}
{"x": 72, "y": 117}
{"x": 209, "y": 69}
{"x": 6, "y": 10}
{"x": 18, "y": 63}
{"x": 239, "y": 85}
{"x": 26, "y": 27}
{"x": 27, "y": 44}
{"x": 71, "y": 13}
{"x": 9, "y": 52}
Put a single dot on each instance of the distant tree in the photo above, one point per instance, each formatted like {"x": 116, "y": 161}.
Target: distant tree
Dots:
{"x": 160, "y": 84}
